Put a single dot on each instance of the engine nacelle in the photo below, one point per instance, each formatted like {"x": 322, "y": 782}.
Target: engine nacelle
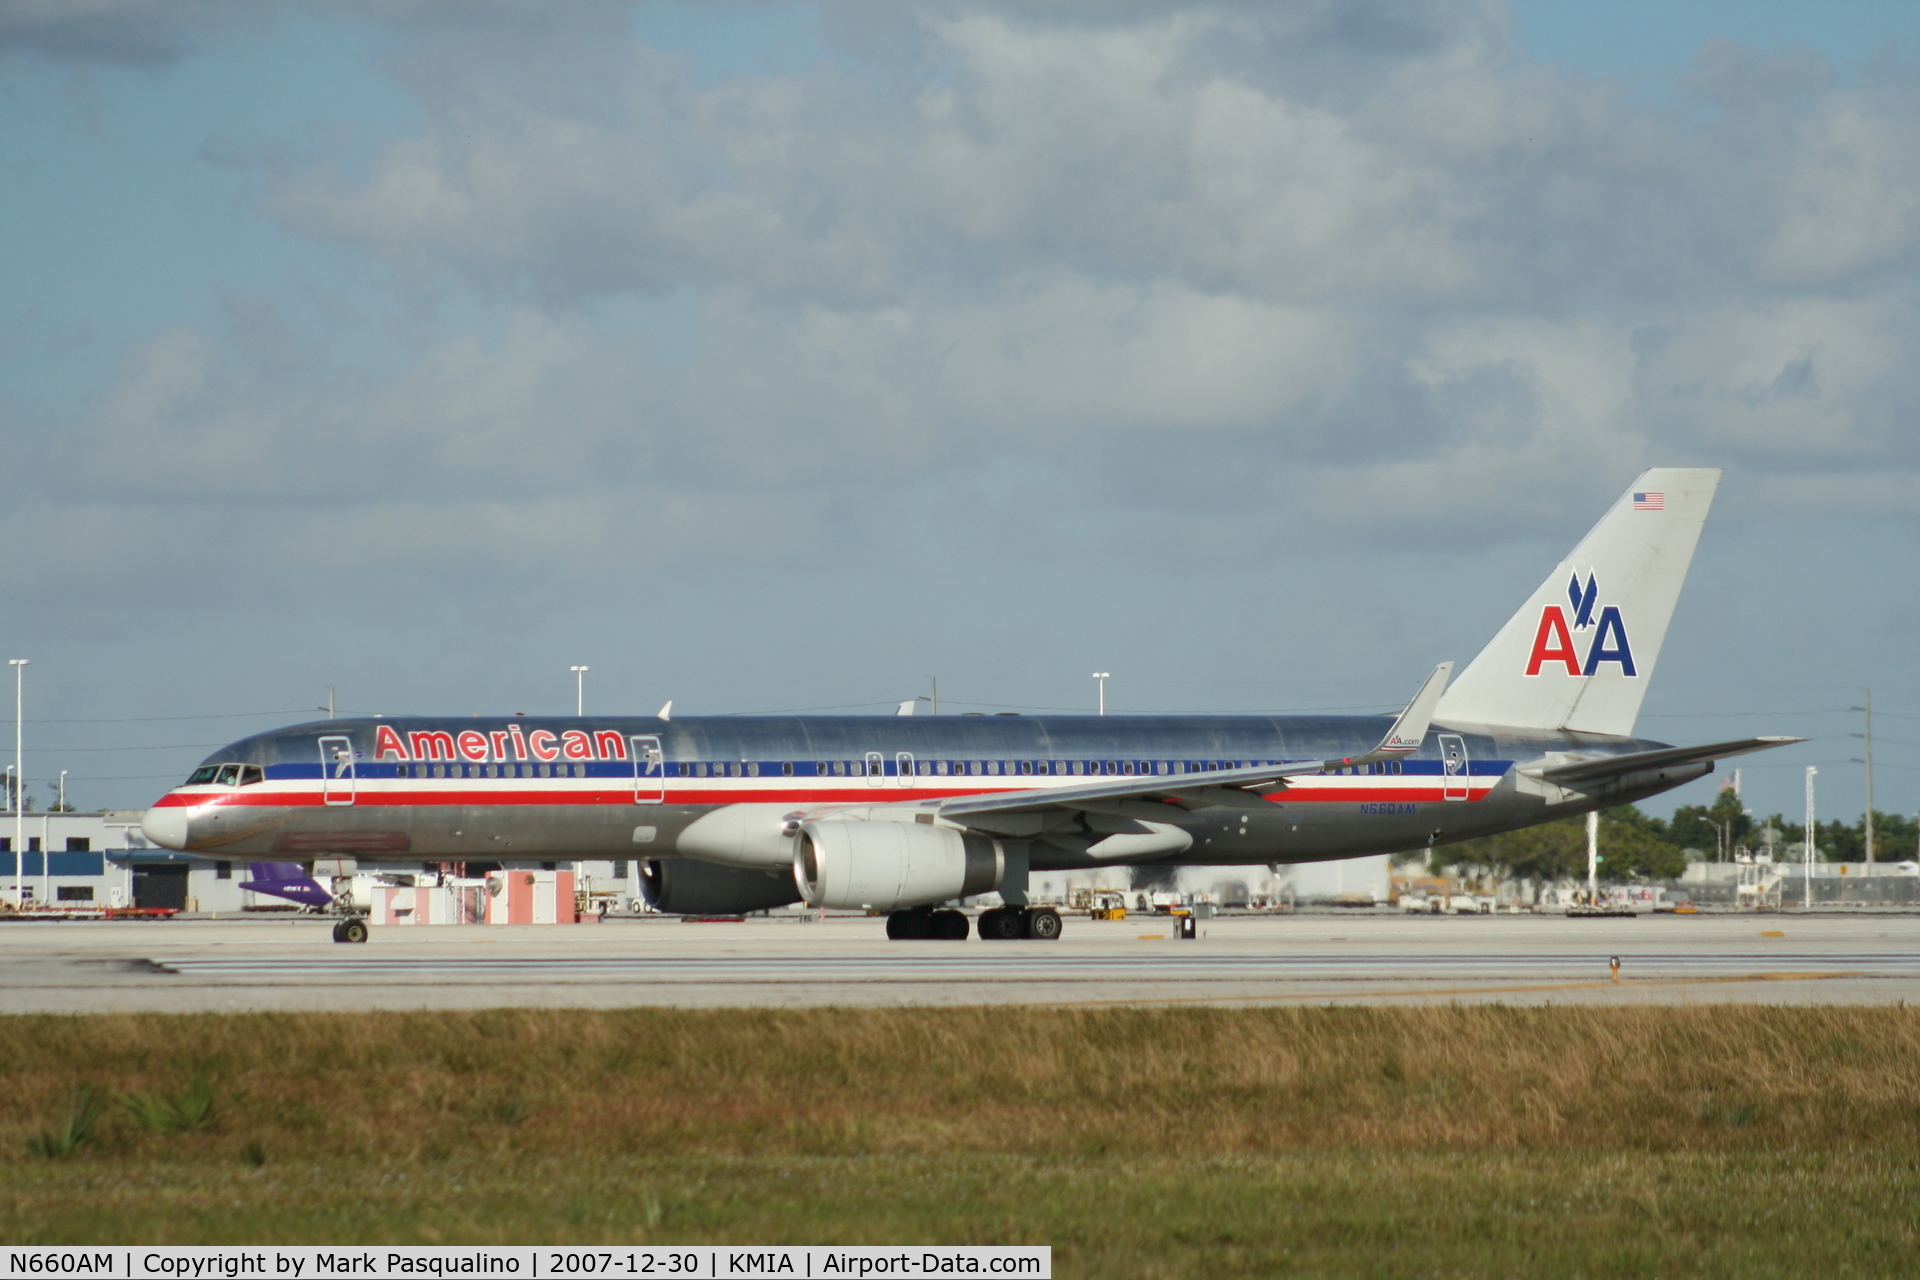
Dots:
{"x": 886, "y": 865}
{"x": 680, "y": 886}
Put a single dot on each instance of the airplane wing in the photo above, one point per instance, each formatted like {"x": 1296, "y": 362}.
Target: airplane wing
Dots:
{"x": 1230, "y": 787}
{"x": 1574, "y": 771}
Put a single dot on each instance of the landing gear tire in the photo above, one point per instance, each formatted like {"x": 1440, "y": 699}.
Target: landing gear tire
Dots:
{"x": 1043, "y": 924}
{"x": 911, "y": 926}
{"x": 1002, "y": 924}
{"x": 950, "y": 926}
{"x": 352, "y": 929}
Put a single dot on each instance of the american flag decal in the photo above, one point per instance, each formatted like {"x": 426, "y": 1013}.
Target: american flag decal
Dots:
{"x": 1649, "y": 502}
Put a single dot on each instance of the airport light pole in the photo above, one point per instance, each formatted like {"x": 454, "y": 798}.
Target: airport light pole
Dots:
{"x": 579, "y": 689}
{"x": 19, "y": 666}
{"x": 1869, "y": 764}
{"x": 63, "y": 791}
{"x": 1806, "y": 850}
{"x": 1593, "y": 857}
{"x": 1103, "y": 677}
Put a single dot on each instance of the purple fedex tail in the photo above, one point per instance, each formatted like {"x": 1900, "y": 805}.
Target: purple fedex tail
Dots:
{"x": 287, "y": 880}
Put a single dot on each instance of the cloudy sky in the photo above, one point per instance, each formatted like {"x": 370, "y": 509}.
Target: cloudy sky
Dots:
{"x": 769, "y": 356}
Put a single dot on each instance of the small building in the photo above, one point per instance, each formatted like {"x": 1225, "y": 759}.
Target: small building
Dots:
{"x": 82, "y": 861}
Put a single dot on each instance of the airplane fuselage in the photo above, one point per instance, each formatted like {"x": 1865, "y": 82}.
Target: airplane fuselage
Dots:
{"x": 719, "y": 788}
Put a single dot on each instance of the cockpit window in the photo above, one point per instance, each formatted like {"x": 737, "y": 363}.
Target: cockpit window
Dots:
{"x": 227, "y": 775}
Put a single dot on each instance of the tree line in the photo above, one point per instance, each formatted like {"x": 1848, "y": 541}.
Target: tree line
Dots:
{"x": 1634, "y": 844}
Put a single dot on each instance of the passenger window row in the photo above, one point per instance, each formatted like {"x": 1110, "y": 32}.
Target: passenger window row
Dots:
{"x": 496, "y": 770}
{"x": 245, "y": 775}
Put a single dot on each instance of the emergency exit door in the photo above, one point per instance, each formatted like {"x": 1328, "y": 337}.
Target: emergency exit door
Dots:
{"x": 649, "y": 770}
{"x": 1453, "y": 766}
{"x": 336, "y": 769}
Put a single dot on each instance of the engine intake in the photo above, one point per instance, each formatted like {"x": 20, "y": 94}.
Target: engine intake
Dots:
{"x": 680, "y": 886}
{"x": 883, "y": 866}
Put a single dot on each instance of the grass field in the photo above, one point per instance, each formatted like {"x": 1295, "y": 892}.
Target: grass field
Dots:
{"x": 1470, "y": 1141}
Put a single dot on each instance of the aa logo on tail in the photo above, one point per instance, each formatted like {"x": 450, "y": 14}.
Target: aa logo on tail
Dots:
{"x": 1553, "y": 643}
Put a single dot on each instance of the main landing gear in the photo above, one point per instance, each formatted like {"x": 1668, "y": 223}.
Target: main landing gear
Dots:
{"x": 1000, "y": 924}
{"x": 1005, "y": 924}
{"x": 352, "y": 929}
{"x": 921, "y": 923}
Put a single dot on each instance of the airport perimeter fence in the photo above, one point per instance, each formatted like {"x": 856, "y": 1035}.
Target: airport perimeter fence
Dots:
{"x": 1831, "y": 891}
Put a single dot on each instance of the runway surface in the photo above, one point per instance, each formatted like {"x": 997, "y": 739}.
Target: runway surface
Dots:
{"x": 180, "y": 966}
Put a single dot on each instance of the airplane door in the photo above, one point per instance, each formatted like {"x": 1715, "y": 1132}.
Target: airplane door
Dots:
{"x": 903, "y": 767}
{"x": 876, "y": 769}
{"x": 1453, "y": 765}
{"x": 336, "y": 769}
{"x": 649, "y": 770}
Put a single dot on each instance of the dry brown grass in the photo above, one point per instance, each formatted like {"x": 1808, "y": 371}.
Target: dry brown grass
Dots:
{"x": 824, "y": 1081}
{"x": 1715, "y": 1141}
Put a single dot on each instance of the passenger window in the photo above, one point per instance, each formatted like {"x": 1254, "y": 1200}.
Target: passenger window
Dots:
{"x": 839, "y": 768}
{"x": 493, "y": 771}
{"x": 543, "y": 771}
{"x": 940, "y": 767}
{"x": 753, "y": 768}
{"x": 1026, "y": 766}
{"x": 786, "y": 768}
{"x": 579, "y": 771}
{"x": 439, "y": 771}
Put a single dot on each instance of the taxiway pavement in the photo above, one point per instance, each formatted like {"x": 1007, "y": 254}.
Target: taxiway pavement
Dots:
{"x": 187, "y": 966}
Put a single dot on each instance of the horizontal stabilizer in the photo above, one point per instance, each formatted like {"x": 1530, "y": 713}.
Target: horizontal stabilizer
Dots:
{"x": 1574, "y": 772}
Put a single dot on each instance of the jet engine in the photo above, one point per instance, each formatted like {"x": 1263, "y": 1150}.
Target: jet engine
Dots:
{"x": 679, "y": 886}
{"x": 884, "y": 866}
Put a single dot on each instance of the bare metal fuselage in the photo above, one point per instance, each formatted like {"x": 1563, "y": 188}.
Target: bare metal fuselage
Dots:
{"x": 616, "y": 788}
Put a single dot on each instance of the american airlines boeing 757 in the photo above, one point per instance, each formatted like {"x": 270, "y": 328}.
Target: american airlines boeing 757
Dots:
{"x": 907, "y": 815}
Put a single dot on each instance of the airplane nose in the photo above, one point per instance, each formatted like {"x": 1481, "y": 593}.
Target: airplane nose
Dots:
{"x": 166, "y": 827}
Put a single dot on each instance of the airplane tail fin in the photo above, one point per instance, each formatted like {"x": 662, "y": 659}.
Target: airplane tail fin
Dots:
{"x": 1580, "y": 651}
{"x": 287, "y": 880}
